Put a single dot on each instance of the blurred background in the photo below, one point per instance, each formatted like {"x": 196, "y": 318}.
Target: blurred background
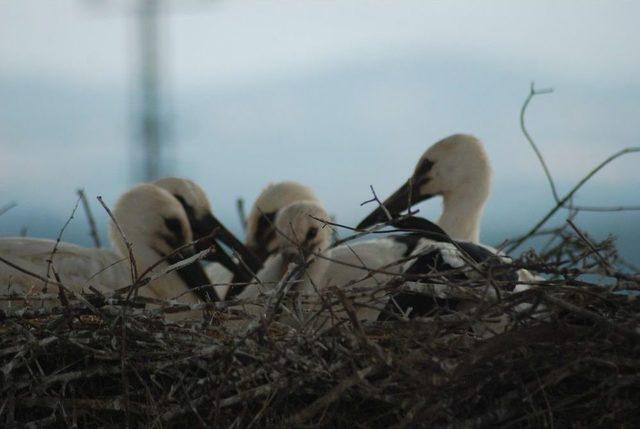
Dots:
{"x": 339, "y": 95}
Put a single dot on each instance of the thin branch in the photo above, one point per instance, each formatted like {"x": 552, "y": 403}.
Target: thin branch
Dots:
{"x": 570, "y": 194}
{"x": 532, "y": 93}
{"x": 93, "y": 230}
{"x": 7, "y": 207}
{"x": 566, "y": 201}
{"x": 58, "y": 240}
{"x": 241, "y": 213}
{"x": 132, "y": 260}
{"x": 610, "y": 271}
{"x": 606, "y": 208}
{"x": 376, "y": 199}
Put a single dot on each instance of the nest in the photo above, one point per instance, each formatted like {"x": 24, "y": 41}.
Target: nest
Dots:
{"x": 571, "y": 358}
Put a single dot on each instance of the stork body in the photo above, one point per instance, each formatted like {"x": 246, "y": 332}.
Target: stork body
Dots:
{"x": 77, "y": 266}
{"x": 150, "y": 218}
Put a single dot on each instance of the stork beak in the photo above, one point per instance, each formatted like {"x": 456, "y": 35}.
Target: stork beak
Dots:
{"x": 194, "y": 276}
{"x": 207, "y": 224}
{"x": 404, "y": 198}
{"x": 289, "y": 258}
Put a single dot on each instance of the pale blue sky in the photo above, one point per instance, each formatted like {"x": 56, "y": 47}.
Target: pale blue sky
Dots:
{"x": 338, "y": 95}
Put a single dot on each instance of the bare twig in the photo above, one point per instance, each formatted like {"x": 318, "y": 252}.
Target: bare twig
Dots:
{"x": 58, "y": 239}
{"x": 93, "y": 230}
{"x": 7, "y": 207}
{"x": 588, "y": 242}
{"x": 570, "y": 194}
{"x": 565, "y": 201}
{"x": 132, "y": 259}
{"x": 532, "y": 93}
{"x": 241, "y": 213}
{"x": 376, "y": 199}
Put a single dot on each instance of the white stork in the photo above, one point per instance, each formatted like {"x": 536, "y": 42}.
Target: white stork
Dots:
{"x": 198, "y": 209}
{"x": 155, "y": 224}
{"x": 261, "y": 239}
{"x": 458, "y": 169}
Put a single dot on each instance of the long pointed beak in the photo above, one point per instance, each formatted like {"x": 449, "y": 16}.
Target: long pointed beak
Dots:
{"x": 208, "y": 224}
{"x": 404, "y": 198}
{"x": 194, "y": 276}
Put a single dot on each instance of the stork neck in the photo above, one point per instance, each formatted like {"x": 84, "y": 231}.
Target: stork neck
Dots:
{"x": 461, "y": 213}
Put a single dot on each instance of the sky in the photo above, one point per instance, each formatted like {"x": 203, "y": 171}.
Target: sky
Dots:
{"x": 339, "y": 95}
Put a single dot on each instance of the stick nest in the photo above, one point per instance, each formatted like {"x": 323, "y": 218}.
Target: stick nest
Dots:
{"x": 571, "y": 359}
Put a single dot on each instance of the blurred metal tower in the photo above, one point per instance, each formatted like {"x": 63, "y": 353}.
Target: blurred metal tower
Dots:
{"x": 151, "y": 126}
{"x": 150, "y": 130}
{"x": 149, "y": 133}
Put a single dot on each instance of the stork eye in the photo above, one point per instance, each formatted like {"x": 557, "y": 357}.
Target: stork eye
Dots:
{"x": 177, "y": 236}
{"x": 173, "y": 225}
{"x": 423, "y": 168}
{"x": 311, "y": 234}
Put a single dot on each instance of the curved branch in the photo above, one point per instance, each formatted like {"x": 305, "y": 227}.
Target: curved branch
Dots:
{"x": 569, "y": 195}
{"x": 532, "y": 93}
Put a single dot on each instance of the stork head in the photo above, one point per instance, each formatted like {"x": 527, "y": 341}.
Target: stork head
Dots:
{"x": 194, "y": 201}
{"x": 150, "y": 216}
{"x": 201, "y": 219}
{"x": 456, "y": 165}
{"x": 299, "y": 235}
{"x": 155, "y": 224}
{"x": 261, "y": 235}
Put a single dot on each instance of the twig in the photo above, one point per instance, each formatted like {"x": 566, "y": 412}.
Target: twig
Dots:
{"x": 570, "y": 194}
{"x": 631, "y": 335}
{"x": 93, "y": 230}
{"x": 132, "y": 259}
{"x": 376, "y": 199}
{"x": 588, "y": 242}
{"x": 331, "y": 396}
{"x": 7, "y": 207}
{"x": 241, "y": 213}
{"x": 532, "y": 93}
{"x": 562, "y": 202}
{"x": 58, "y": 239}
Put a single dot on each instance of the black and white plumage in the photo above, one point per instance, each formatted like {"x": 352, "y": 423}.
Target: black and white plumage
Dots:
{"x": 152, "y": 220}
{"x": 458, "y": 169}
{"x": 414, "y": 252}
{"x": 364, "y": 269}
{"x": 440, "y": 267}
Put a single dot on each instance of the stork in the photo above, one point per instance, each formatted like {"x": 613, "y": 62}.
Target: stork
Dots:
{"x": 261, "y": 236}
{"x": 261, "y": 239}
{"x": 153, "y": 222}
{"x": 458, "y": 169}
{"x": 198, "y": 209}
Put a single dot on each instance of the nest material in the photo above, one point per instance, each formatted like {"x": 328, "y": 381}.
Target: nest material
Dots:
{"x": 571, "y": 358}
